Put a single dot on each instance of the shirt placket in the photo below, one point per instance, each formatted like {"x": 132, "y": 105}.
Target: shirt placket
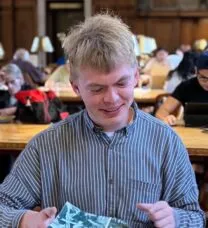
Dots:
{"x": 111, "y": 185}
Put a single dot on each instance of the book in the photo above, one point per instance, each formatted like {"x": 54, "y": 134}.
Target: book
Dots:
{"x": 72, "y": 217}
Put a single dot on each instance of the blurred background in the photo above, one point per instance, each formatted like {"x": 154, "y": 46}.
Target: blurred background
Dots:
{"x": 170, "y": 22}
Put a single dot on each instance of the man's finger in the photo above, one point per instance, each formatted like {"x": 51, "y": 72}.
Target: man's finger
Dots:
{"x": 49, "y": 212}
{"x": 160, "y": 206}
{"x": 144, "y": 206}
{"x": 158, "y": 215}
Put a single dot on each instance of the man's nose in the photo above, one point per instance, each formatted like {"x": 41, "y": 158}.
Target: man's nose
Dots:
{"x": 111, "y": 95}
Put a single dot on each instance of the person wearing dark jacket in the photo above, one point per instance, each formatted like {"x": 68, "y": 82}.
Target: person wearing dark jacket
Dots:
{"x": 32, "y": 75}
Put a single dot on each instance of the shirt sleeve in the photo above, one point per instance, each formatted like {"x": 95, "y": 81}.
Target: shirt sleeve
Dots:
{"x": 36, "y": 75}
{"x": 180, "y": 188}
{"x": 20, "y": 190}
{"x": 180, "y": 93}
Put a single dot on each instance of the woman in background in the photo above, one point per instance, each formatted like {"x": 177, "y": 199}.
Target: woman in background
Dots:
{"x": 15, "y": 82}
{"x": 11, "y": 77}
{"x": 156, "y": 70}
{"x": 184, "y": 71}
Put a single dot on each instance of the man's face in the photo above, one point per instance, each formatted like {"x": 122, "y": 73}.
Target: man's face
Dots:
{"x": 107, "y": 97}
{"x": 14, "y": 84}
{"x": 202, "y": 76}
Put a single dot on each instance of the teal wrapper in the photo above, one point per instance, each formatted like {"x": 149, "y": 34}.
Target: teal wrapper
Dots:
{"x": 72, "y": 217}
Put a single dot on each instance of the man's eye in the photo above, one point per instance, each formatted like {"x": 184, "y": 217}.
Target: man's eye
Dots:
{"x": 122, "y": 84}
{"x": 96, "y": 90}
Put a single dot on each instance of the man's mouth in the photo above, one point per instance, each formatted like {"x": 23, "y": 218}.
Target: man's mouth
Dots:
{"x": 112, "y": 110}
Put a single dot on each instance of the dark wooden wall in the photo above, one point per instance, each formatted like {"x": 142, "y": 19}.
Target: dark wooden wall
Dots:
{"x": 18, "y": 25}
{"x": 171, "y": 22}
{"x": 165, "y": 20}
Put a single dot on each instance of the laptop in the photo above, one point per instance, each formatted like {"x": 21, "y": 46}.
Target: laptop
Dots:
{"x": 196, "y": 114}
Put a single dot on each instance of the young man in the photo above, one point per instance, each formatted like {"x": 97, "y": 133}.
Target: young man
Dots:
{"x": 110, "y": 159}
{"x": 192, "y": 90}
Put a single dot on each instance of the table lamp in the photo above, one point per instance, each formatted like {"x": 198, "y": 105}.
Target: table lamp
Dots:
{"x": 2, "y": 52}
{"x": 136, "y": 45}
{"x": 41, "y": 44}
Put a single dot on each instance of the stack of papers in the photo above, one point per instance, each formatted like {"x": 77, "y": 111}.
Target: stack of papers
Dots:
{"x": 72, "y": 217}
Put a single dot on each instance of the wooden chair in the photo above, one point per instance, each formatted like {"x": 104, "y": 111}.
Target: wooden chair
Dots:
{"x": 157, "y": 82}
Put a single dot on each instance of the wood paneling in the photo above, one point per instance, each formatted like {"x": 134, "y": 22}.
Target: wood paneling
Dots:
{"x": 167, "y": 20}
{"x": 18, "y": 25}
{"x": 202, "y": 28}
{"x": 187, "y": 31}
{"x": 18, "y": 21}
{"x": 6, "y": 36}
{"x": 164, "y": 4}
{"x": 138, "y": 25}
{"x": 25, "y": 17}
{"x": 165, "y": 31}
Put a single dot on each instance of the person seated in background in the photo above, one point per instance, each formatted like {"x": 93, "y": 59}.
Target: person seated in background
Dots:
{"x": 185, "y": 48}
{"x": 184, "y": 71}
{"x": 175, "y": 58}
{"x": 4, "y": 94}
{"x": 28, "y": 104}
{"x": 32, "y": 75}
{"x": 14, "y": 80}
{"x": 5, "y": 159}
{"x": 192, "y": 90}
{"x": 110, "y": 159}
{"x": 60, "y": 78}
{"x": 156, "y": 68}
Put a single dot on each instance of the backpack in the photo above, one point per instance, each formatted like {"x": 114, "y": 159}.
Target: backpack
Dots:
{"x": 35, "y": 106}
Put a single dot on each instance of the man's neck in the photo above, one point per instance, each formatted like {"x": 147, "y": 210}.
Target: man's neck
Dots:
{"x": 129, "y": 121}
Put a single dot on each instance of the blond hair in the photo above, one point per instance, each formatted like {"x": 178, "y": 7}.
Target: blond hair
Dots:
{"x": 102, "y": 43}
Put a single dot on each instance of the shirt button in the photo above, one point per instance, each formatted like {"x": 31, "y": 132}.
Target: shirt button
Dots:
{"x": 110, "y": 181}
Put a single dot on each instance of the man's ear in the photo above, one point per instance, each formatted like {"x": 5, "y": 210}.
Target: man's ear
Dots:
{"x": 136, "y": 77}
{"x": 75, "y": 87}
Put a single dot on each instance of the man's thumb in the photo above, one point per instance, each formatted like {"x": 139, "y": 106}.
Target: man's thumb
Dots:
{"x": 49, "y": 212}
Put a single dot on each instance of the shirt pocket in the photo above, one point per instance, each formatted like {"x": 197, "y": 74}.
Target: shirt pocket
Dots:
{"x": 138, "y": 191}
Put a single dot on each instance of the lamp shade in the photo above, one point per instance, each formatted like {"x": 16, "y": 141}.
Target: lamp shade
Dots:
{"x": 136, "y": 45}
{"x": 200, "y": 44}
{"x": 147, "y": 44}
{"x": 41, "y": 43}
{"x": 2, "y": 52}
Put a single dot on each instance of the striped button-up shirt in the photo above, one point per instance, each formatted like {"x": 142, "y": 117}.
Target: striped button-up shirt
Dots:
{"x": 74, "y": 161}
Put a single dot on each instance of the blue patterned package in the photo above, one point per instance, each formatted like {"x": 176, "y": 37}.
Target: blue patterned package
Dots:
{"x": 72, "y": 217}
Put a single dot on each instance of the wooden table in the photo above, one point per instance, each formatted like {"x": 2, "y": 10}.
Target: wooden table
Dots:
{"x": 194, "y": 139}
{"x": 145, "y": 96}
{"x": 68, "y": 95}
{"x": 14, "y": 137}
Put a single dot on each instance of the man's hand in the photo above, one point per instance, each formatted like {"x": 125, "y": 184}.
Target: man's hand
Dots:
{"x": 170, "y": 120}
{"x": 34, "y": 219}
{"x": 160, "y": 213}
